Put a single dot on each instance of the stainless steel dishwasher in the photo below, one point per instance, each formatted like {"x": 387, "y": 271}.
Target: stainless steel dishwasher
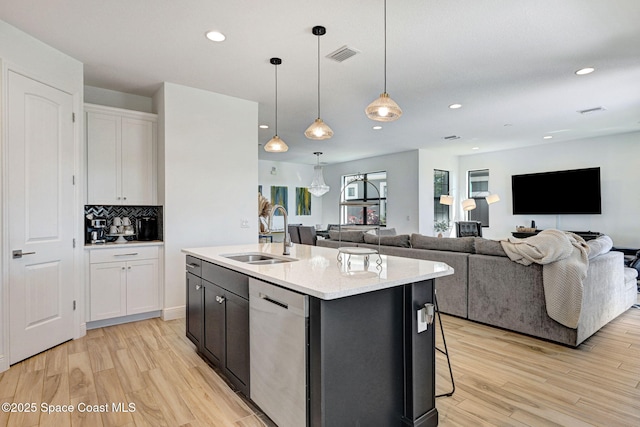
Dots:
{"x": 278, "y": 359}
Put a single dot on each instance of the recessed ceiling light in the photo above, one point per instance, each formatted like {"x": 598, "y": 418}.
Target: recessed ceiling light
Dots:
{"x": 455, "y": 106}
{"x": 264, "y": 126}
{"x": 475, "y": 148}
{"x": 547, "y": 137}
{"x": 583, "y": 71}
{"x": 215, "y": 36}
{"x": 376, "y": 127}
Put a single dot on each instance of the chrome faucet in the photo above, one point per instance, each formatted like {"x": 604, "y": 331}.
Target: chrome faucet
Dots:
{"x": 286, "y": 244}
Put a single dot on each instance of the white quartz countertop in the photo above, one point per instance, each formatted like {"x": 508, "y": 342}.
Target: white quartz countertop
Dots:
{"x": 317, "y": 272}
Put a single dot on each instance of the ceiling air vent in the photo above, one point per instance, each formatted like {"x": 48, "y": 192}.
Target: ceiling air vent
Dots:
{"x": 342, "y": 54}
{"x": 451, "y": 137}
{"x": 592, "y": 110}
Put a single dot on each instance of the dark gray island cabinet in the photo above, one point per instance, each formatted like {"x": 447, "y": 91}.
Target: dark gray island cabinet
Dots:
{"x": 329, "y": 346}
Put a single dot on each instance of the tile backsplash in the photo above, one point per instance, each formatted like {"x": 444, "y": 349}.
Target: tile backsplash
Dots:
{"x": 133, "y": 212}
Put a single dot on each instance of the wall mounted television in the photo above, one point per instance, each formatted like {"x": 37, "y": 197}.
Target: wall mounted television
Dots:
{"x": 575, "y": 191}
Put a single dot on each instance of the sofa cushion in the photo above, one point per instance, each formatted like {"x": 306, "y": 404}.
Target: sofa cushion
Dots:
{"x": 355, "y": 236}
{"x": 488, "y": 247}
{"x": 401, "y": 240}
{"x": 599, "y": 246}
{"x": 457, "y": 244}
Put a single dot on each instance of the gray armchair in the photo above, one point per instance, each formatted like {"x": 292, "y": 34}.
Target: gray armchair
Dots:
{"x": 307, "y": 235}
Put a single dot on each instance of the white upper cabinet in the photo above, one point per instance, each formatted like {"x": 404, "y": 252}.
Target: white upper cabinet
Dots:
{"x": 121, "y": 156}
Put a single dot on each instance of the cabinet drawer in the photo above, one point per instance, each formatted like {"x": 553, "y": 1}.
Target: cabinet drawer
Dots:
{"x": 194, "y": 265}
{"x": 230, "y": 280}
{"x": 123, "y": 254}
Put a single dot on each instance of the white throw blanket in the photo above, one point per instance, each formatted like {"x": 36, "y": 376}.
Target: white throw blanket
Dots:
{"x": 564, "y": 257}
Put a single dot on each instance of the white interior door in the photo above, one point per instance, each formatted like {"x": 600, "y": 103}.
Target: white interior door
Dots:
{"x": 40, "y": 218}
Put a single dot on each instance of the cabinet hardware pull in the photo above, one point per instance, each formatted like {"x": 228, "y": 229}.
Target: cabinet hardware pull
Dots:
{"x": 131, "y": 254}
{"x": 198, "y": 287}
{"x": 220, "y": 299}
{"x": 193, "y": 265}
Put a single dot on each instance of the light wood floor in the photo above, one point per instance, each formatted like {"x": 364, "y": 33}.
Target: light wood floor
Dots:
{"x": 501, "y": 379}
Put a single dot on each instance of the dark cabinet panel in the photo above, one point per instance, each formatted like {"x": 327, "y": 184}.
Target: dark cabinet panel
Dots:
{"x": 194, "y": 309}
{"x": 237, "y": 337}
{"x": 213, "y": 345}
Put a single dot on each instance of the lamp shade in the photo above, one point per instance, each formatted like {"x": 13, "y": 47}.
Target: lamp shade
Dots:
{"x": 383, "y": 109}
{"x": 492, "y": 198}
{"x": 446, "y": 200}
{"x": 318, "y": 130}
{"x": 468, "y": 204}
{"x": 276, "y": 145}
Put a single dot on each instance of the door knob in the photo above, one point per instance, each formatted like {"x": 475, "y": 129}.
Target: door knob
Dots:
{"x": 19, "y": 254}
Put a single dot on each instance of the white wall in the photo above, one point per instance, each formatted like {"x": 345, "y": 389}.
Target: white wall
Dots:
{"x": 112, "y": 98}
{"x": 402, "y": 188}
{"x": 24, "y": 54}
{"x": 617, "y": 156}
{"x": 210, "y": 166}
{"x": 290, "y": 175}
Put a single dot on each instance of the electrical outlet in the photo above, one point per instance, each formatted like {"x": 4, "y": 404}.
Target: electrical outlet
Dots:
{"x": 244, "y": 223}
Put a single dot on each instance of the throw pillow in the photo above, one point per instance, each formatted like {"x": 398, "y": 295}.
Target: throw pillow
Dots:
{"x": 457, "y": 244}
{"x": 600, "y": 245}
{"x": 401, "y": 240}
{"x": 488, "y": 247}
{"x": 347, "y": 236}
{"x": 387, "y": 232}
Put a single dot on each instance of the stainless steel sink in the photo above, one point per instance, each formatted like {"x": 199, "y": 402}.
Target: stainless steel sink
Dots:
{"x": 258, "y": 258}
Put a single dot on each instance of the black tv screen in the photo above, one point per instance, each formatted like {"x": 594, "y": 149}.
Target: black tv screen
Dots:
{"x": 574, "y": 191}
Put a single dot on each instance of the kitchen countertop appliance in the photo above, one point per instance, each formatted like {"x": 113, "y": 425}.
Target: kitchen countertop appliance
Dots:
{"x": 147, "y": 228}
{"x": 96, "y": 230}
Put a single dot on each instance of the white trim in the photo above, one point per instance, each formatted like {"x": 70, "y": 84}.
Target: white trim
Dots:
{"x": 173, "y": 313}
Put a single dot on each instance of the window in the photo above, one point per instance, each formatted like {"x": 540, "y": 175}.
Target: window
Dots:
{"x": 361, "y": 192}
{"x": 478, "y": 185}
{"x": 440, "y": 188}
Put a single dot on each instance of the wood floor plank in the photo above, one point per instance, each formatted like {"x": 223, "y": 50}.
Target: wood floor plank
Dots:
{"x": 99, "y": 354}
{"x": 82, "y": 417}
{"x": 147, "y": 409}
{"x": 29, "y": 390}
{"x": 130, "y": 376}
{"x": 56, "y": 395}
{"x": 110, "y": 392}
{"x": 81, "y": 381}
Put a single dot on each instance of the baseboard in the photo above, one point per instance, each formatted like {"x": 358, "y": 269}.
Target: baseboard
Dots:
{"x": 124, "y": 319}
{"x": 82, "y": 330}
{"x": 173, "y": 313}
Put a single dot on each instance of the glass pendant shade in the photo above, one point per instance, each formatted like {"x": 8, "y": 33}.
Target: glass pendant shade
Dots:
{"x": 318, "y": 187}
{"x": 276, "y": 145}
{"x": 468, "y": 204}
{"x": 446, "y": 200}
{"x": 492, "y": 198}
{"x": 383, "y": 109}
{"x": 318, "y": 130}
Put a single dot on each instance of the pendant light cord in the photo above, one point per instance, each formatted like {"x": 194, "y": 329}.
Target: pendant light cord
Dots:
{"x": 276, "y": 65}
{"x": 318, "y": 76}
{"x": 385, "y": 46}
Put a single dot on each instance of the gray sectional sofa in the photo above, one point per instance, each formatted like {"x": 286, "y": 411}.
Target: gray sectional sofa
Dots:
{"x": 489, "y": 288}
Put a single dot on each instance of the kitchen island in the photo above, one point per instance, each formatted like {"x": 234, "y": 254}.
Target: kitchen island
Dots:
{"x": 354, "y": 350}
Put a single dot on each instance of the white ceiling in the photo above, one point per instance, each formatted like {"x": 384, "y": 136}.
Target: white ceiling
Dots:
{"x": 510, "y": 63}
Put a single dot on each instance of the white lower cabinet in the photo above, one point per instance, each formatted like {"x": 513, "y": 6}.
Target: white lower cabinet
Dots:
{"x": 124, "y": 281}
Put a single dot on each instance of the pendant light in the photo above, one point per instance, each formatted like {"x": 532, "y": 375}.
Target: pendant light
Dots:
{"x": 384, "y": 109}
{"x": 275, "y": 144}
{"x": 318, "y": 188}
{"x": 318, "y": 130}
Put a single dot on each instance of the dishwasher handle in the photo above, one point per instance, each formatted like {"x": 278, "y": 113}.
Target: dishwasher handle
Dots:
{"x": 274, "y": 301}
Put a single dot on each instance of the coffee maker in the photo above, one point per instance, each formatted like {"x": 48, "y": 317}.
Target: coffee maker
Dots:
{"x": 96, "y": 230}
